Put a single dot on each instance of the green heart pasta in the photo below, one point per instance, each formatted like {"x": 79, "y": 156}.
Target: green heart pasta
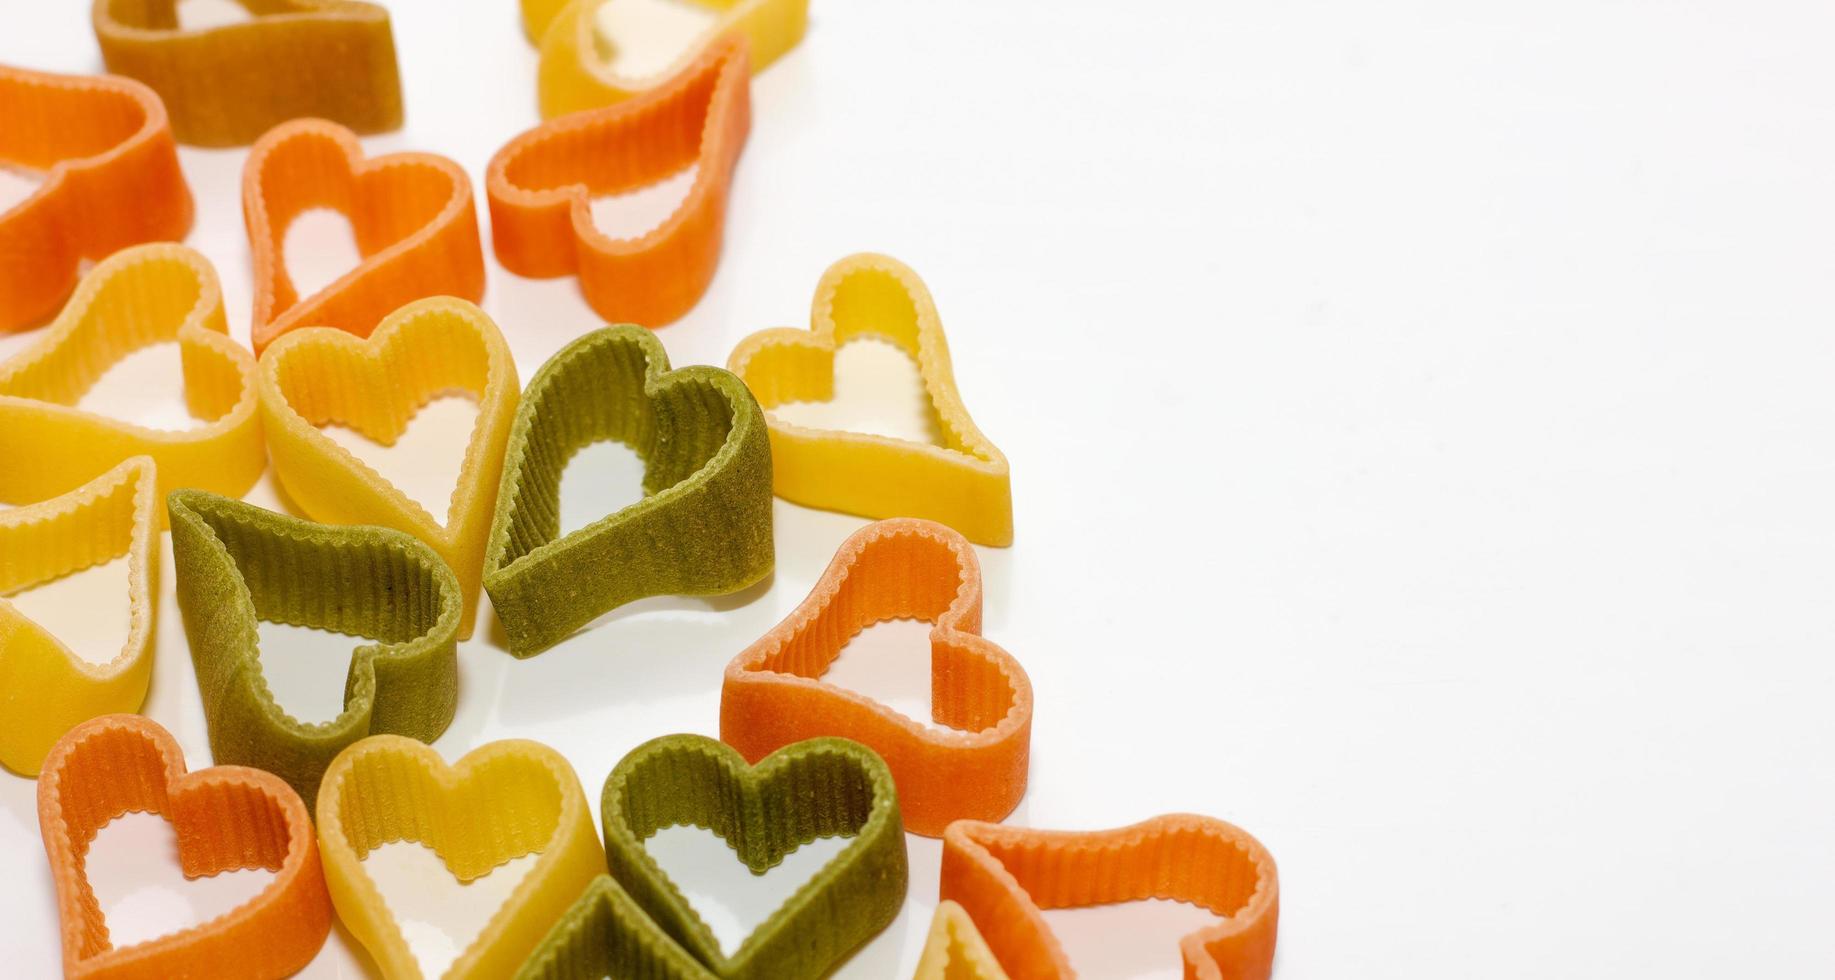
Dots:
{"x": 822, "y": 787}
{"x": 237, "y": 564}
{"x": 605, "y": 934}
{"x": 703, "y": 527}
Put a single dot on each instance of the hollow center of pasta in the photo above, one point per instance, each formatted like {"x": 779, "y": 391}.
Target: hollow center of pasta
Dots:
{"x": 17, "y": 184}
{"x": 320, "y": 245}
{"x": 133, "y": 868}
{"x": 1138, "y": 939}
{"x": 199, "y": 15}
{"x": 877, "y": 390}
{"x": 634, "y": 213}
{"x": 729, "y": 897}
{"x": 87, "y": 610}
{"x": 890, "y": 662}
{"x": 145, "y": 387}
{"x": 439, "y": 915}
{"x": 641, "y": 39}
{"x": 425, "y": 460}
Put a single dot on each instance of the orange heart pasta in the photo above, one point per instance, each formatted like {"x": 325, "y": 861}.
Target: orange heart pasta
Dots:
{"x": 897, "y": 569}
{"x": 1004, "y": 876}
{"x": 541, "y": 185}
{"x": 111, "y": 179}
{"x": 411, "y": 213}
{"x": 226, "y": 817}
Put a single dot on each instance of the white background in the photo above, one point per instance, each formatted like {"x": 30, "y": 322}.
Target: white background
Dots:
{"x": 1420, "y": 417}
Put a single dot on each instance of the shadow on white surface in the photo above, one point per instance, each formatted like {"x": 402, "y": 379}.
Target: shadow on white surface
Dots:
{"x": 877, "y": 390}
{"x": 729, "y": 897}
{"x": 134, "y": 870}
{"x": 439, "y": 915}
{"x": 646, "y": 656}
{"x": 87, "y": 609}
{"x": 642, "y": 38}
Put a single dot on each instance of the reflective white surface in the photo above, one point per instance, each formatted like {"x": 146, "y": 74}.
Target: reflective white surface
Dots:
{"x": 1420, "y": 424}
